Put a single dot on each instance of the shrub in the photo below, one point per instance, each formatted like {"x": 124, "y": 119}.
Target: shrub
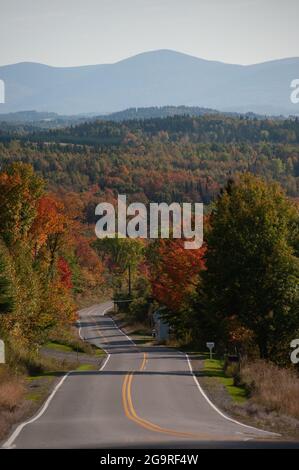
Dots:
{"x": 138, "y": 311}
{"x": 273, "y": 387}
{"x": 11, "y": 393}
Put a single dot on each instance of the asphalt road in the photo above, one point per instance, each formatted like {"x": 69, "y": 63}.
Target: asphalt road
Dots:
{"x": 142, "y": 398}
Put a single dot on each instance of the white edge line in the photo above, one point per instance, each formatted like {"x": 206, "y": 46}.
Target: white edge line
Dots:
{"x": 8, "y": 444}
{"x": 80, "y": 328}
{"x": 12, "y": 438}
{"x": 116, "y": 326}
{"x": 217, "y": 409}
{"x": 105, "y": 362}
{"x": 202, "y": 391}
{"x": 108, "y": 355}
{"x": 204, "y": 394}
{"x": 110, "y": 308}
{"x": 197, "y": 384}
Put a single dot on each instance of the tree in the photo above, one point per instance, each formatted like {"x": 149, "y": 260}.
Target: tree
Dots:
{"x": 65, "y": 273}
{"x": 20, "y": 190}
{"x": 252, "y": 274}
{"x": 6, "y": 297}
{"x": 35, "y": 288}
{"x": 122, "y": 256}
{"x": 174, "y": 274}
{"x": 49, "y": 231}
{"x": 49, "y": 221}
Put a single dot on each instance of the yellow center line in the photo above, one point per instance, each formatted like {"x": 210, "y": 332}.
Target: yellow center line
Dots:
{"x": 144, "y": 361}
{"x": 131, "y": 413}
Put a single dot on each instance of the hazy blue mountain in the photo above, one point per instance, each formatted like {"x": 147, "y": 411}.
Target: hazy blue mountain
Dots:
{"x": 158, "y": 78}
{"x": 153, "y": 112}
{"x": 130, "y": 113}
{"x": 43, "y": 120}
{"x": 28, "y": 116}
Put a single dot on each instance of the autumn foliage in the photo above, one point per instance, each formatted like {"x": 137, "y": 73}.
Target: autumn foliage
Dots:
{"x": 45, "y": 258}
{"x": 175, "y": 271}
{"x": 65, "y": 273}
{"x": 50, "y": 221}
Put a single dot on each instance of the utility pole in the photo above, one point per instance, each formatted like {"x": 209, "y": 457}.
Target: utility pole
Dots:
{"x": 130, "y": 281}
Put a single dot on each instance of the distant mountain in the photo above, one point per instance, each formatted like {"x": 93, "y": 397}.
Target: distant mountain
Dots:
{"x": 41, "y": 119}
{"x": 34, "y": 117}
{"x": 153, "y": 112}
{"x": 152, "y": 79}
{"x": 30, "y": 120}
{"x": 28, "y": 116}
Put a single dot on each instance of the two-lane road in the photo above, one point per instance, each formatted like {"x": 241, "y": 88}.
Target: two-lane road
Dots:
{"x": 141, "y": 397}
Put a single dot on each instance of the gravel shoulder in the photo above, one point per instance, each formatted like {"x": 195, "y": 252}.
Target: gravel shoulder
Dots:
{"x": 38, "y": 387}
{"x": 247, "y": 412}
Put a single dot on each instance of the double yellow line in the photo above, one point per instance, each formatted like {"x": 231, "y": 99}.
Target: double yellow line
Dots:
{"x": 132, "y": 414}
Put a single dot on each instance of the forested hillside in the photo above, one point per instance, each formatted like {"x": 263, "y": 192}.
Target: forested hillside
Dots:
{"x": 240, "y": 289}
{"x": 178, "y": 158}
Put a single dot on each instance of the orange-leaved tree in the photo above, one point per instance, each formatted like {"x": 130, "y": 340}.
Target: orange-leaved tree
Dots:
{"x": 174, "y": 272}
{"x": 20, "y": 190}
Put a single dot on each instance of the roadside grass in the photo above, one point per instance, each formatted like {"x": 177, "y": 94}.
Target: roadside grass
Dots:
{"x": 67, "y": 341}
{"x": 100, "y": 352}
{"x": 12, "y": 390}
{"x": 24, "y": 386}
{"x": 38, "y": 385}
{"x": 47, "y": 374}
{"x": 264, "y": 395}
{"x": 55, "y": 346}
{"x": 141, "y": 336}
{"x": 27, "y": 378}
{"x": 68, "y": 338}
{"x": 34, "y": 396}
{"x": 58, "y": 346}
{"x": 138, "y": 332}
{"x": 215, "y": 368}
{"x": 273, "y": 387}
{"x": 86, "y": 367}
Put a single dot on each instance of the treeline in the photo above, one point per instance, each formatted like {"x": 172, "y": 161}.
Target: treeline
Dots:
{"x": 202, "y": 129}
{"x": 240, "y": 290}
{"x": 207, "y": 128}
{"x": 157, "y": 170}
{"x": 46, "y": 261}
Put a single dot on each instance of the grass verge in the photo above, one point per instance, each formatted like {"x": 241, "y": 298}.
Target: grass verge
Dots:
{"x": 26, "y": 381}
{"x": 215, "y": 368}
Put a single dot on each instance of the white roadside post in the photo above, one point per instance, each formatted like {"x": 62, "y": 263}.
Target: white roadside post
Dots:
{"x": 2, "y": 352}
{"x": 210, "y": 346}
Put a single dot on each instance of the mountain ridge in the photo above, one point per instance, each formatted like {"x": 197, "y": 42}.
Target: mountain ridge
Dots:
{"x": 154, "y": 78}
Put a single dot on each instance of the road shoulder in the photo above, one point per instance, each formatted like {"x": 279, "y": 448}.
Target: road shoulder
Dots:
{"x": 243, "y": 410}
{"x": 38, "y": 386}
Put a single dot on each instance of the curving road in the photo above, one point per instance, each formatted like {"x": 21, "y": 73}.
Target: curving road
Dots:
{"x": 141, "y": 397}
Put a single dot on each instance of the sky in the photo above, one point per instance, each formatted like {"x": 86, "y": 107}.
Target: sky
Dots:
{"x": 80, "y": 32}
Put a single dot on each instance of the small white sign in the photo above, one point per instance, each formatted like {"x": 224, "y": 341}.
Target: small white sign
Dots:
{"x": 2, "y": 352}
{"x": 210, "y": 346}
